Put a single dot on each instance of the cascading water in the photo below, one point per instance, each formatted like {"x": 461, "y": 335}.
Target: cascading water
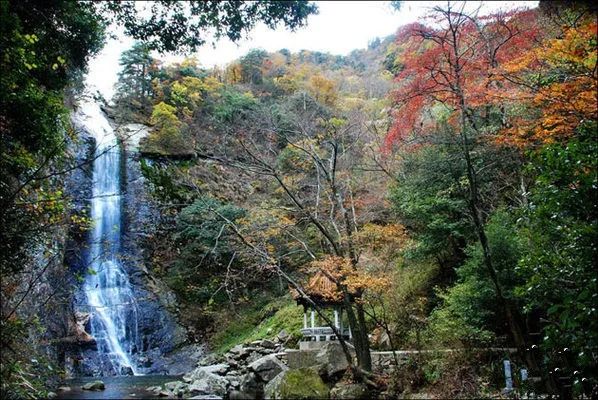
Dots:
{"x": 108, "y": 292}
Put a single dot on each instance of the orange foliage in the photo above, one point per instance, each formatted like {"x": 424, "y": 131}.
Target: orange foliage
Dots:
{"x": 430, "y": 75}
{"x": 341, "y": 271}
{"x": 558, "y": 79}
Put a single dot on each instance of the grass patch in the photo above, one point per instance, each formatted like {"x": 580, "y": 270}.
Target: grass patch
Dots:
{"x": 262, "y": 319}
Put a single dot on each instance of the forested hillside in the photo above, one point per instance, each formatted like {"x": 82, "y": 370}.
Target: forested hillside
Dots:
{"x": 443, "y": 180}
{"x": 446, "y": 175}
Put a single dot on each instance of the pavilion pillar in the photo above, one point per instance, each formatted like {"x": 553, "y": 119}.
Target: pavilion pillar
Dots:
{"x": 313, "y": 319}
{"x": 336, "y": 325}
{"x": 304, "y": 319}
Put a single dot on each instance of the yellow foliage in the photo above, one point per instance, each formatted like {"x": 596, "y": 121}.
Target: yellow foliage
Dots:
{"x": 324, "y": 90}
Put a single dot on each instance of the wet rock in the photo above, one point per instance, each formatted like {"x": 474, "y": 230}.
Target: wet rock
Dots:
{"x": 238, "y": 395}
{"x": 175, "y": 386}
{"x": 126, "y": 371}
{"x": 165, "y": 393}
{"x": 51, "y": 395}
{"x": 144, "y": 362}
{"x": 177, "y": 362}
{"x": 267, "y": 367}
{"x": 94, "y": 386}
{"x": 64, "y": 389}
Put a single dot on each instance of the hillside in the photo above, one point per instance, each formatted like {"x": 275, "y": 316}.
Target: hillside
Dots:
{"x": 416, "y": 218}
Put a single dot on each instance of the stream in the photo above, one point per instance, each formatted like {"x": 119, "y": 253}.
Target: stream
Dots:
{"x": 117, "y": 387}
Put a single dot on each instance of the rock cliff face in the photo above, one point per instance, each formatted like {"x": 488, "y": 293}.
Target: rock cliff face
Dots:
{"x": 157, "y": 305}
{"x": 159, "y": 333}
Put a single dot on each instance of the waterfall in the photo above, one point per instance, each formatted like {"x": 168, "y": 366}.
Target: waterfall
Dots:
{"x": 108, "y": 291}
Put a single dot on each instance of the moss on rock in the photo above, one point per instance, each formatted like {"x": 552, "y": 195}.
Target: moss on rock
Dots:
{"x": 303, "y": 383}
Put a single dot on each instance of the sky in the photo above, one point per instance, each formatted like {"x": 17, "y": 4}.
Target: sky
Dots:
{"x": 339, "y": 28}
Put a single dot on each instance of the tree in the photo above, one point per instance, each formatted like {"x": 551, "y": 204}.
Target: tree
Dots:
{"x": 312, "y": 158}
{"x": 554, "y": 85}
{"x": 135, "y": 79}
{"x": 251, "y": 66}
{"x": 167, "y": 138}
{"x": 177, "y": 26}
{"x": 323, "y": 89}
{"x": 45, "y": 48}
{"x": 453, "y": 66}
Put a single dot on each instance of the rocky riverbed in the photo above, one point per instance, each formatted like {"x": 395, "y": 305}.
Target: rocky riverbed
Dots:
{"x": 262, "y": 369}
{"x": 242, "y": 372}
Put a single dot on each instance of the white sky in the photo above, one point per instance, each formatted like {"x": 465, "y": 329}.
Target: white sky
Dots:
{"x": 340, "y": 26}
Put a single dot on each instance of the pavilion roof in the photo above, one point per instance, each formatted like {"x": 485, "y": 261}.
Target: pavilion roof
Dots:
{"x": 321, "y": 289}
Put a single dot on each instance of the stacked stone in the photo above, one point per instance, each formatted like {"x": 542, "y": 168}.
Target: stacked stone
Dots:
{"x": 240, "y": 373}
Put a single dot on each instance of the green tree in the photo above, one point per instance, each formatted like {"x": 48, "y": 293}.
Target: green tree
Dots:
{"x": 207, "y": 247}
{"x": 181, "y": 26}
{"x": 559, "y": 270}
{"x": 251, "y": 65}
{"x": 45, "y": 48}
{"x": 135, "y": 79}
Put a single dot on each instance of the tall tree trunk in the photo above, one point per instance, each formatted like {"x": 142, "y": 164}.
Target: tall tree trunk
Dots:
{"x": 359, "y": 332}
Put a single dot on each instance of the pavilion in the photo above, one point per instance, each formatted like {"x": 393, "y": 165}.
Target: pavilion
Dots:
{"x": 324, "y": 292}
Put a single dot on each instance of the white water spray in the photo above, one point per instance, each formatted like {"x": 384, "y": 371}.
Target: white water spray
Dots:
{"x": 107, "y": 287}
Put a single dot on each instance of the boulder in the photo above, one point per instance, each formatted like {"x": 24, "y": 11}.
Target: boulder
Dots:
{"x": 175, "y": 386}
{"x": 126, "y": 371}
{"x": 144, "y": 362}
{"x": 210, "y": 359}
{"x": 253, "y": 356}
{"x": 251, "y": 385}
{"x": 267, "y": 367}
{"x": 239, "y": 352}
{"x": 94, "y": 386}
{"x": 303, "y": 383}
{"x": 272, "y": 389}
{"x": 331, "y": 360}
{"x": 165, "y": 393}
{"x": 197, "y": 373}
{"x": 208, "y": 383}
{"x": 51, "y": 395}
{"x": 282, "y": 336}
{"x": 220, "y": 369}
{"x": 64, "y": 389}
{"x": 343, "y": 390}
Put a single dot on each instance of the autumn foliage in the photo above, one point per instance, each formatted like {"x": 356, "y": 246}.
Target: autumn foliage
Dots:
{"x": 542, "y": 80}
{"x": 557, "y": 79}
{"x": 430, "y": 74}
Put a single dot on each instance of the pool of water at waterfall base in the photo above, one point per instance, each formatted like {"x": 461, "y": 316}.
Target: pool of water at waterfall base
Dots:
{"x": 117, "y": 387}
